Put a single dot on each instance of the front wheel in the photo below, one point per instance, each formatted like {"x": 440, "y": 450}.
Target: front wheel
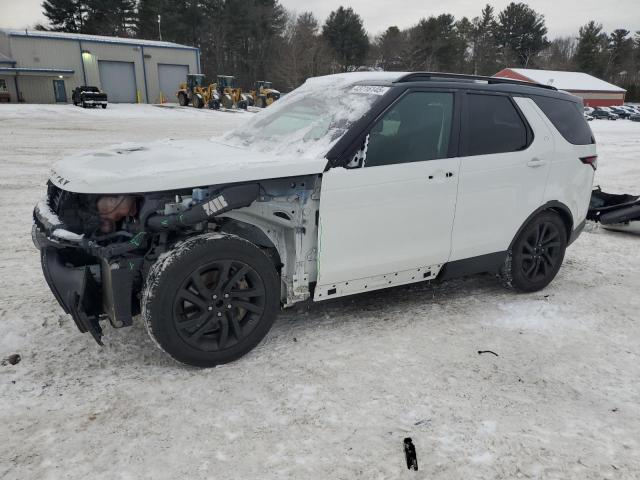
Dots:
{"x": 211, "y": 300}
{"x": 537, "y": 254}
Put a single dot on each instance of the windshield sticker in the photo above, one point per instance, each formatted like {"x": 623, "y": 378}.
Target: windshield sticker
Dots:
{"x": 370, "y": 89}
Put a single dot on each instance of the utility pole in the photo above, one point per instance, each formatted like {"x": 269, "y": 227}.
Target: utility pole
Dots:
{"x": 159, "y": 29}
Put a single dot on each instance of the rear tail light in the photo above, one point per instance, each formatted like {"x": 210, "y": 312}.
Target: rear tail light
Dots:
{"x": 591, "y": 160}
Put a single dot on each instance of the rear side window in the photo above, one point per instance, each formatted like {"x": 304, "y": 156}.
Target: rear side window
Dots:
{"x": 568, "y": 118}
{"x": 493, "y": 126}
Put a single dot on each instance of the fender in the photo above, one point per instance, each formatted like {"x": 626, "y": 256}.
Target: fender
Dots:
{"x": 565, "y": 215}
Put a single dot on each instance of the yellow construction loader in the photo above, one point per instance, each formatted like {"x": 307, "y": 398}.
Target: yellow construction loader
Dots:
{"x": 230, "y": 95}
{"x": 264, "y": 94}
{"x": 194, "y": 92}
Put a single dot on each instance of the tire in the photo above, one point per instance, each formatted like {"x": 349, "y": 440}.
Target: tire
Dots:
{"x": 183, "y": 100}
{"x": 104, "y": 106}
{"x": 227, "y": 101}
{"x": 184, "y": 304}
{"x": 537, "y": 254}
{"x": 198, "y": 101}
{"x": 84, "y": 105}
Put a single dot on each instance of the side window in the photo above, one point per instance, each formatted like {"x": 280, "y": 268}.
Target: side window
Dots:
{"x": 493, "y": 126}
{"x": 3, "y": 86}
{"x": 568, "y": 119}
{"x": 415, "y": 129}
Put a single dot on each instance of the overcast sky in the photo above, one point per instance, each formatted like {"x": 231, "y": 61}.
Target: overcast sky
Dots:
{"x": 563, "y": 17}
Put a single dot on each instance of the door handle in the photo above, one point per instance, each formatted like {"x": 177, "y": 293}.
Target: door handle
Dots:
{"x": 447, "y": 175}
{"x": 535, "y": 163}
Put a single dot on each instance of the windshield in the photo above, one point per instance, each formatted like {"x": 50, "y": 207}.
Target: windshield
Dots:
{"x": 308, "y": 121}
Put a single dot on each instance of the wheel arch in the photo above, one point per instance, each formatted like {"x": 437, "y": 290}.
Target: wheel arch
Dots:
{"x": 552, "y": 206}
{"x": 252, "y": 234}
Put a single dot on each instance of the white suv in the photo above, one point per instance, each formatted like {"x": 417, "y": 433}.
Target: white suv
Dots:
{"x": 351, "y": 183}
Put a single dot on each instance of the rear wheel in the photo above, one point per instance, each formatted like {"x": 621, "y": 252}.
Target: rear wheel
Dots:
{"x": 537, "y": 254}
{"x": 183, "y": 100}
{"x": 227, "y": 101}
{"x": 211, "y": 300}
{"x": 104, "y": 105}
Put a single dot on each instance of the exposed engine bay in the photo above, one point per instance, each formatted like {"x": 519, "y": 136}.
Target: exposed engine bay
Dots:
{"x": 97, "y": 249}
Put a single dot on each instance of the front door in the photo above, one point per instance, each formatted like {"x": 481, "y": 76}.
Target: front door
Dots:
{"x": 59, "y": 91}
{"x": 389, "y": 221}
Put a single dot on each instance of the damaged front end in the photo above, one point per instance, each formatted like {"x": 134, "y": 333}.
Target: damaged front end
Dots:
{"x": 96, "y": 249}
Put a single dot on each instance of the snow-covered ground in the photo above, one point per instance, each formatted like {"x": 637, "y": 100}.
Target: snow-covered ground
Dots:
{"x": 335, "y": 387}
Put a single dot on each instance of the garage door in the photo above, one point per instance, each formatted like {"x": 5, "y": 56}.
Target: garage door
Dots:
{"x": 118, "y": 80}
{"x": 171, "y": 76}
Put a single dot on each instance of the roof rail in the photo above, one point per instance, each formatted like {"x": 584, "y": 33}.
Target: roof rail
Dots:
{"x": 460, "y": 77}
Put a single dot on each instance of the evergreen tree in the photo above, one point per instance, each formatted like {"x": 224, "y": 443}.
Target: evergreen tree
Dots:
{"x": 521, "y": 32}
{"x": 620, "y": 48}
{"x": 465, "y": 30}
{"x": 347, "y": 37}
{"x": 590, "y": 50}
{"x": 392, "y": 45}
{"x": 435, "y": 44}
{"x": 111, "y": 17}
{"x": 65, "y": 15}
{"x": 484, "y": 56}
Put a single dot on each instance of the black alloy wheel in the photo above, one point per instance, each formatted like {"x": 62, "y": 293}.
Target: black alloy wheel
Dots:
{"x": 537, "y": 253}
{"x": 211, "y": 299}
{"x": 218, "y": 305}
{"x": 541, "y": 251}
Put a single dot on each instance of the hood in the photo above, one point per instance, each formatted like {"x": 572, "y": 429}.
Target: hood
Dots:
{"x": 171, "y": 165}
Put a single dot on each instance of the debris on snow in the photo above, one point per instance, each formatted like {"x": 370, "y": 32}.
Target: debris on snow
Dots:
{"x": 12, "y": 359}
{"x": 480, "y": 352}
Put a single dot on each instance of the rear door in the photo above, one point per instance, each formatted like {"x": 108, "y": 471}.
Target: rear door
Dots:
{"x": 389, "y": 221}
{"x": 507, "y": 150}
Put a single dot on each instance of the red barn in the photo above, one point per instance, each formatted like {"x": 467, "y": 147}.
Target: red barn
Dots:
{"x": 593, "y": 91}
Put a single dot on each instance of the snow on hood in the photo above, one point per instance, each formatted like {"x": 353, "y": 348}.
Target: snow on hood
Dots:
{"x": 172, "y": 164}
{"x": 291, "y": 137}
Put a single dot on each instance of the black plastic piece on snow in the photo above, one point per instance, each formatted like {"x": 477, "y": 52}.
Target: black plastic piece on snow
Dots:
{"x": 410, "y": 454}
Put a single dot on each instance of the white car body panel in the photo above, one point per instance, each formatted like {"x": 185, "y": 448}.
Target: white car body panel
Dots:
{"x": 384, "y": 220}
{"x": 498, "y": 192}
{"x": 171, "y": 165}
{"x": 570, "y": 180}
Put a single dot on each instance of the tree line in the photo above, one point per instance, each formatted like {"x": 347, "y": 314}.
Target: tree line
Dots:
{"x": 261, "y": 40}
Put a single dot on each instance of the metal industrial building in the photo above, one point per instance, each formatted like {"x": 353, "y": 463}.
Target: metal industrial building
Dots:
{"x": 593, "y": 91}
{"x": 45, "y": 67}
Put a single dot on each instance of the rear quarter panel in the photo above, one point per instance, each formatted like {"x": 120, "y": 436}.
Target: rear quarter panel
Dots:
{"x": 570, "y": 181}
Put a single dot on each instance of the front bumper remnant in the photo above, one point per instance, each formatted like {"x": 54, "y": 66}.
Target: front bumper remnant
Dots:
{"x": 76, "y": 291}
{"x": 99, "y": 287}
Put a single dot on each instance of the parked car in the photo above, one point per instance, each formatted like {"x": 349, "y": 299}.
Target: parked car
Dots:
{"x": 588, "y": 118}
{"x": 604, "y": 113}
{"x": 88, "y": 96}
{"x": 635, "y": 117}
{"x": 633, "y": 109}
{"x": 621, "y": 112}
{"x": 349, "y": 185}
{"x": 588, "y": 110}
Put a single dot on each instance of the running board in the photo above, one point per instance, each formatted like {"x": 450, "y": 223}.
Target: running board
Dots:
{"x": 360, "y": 285}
